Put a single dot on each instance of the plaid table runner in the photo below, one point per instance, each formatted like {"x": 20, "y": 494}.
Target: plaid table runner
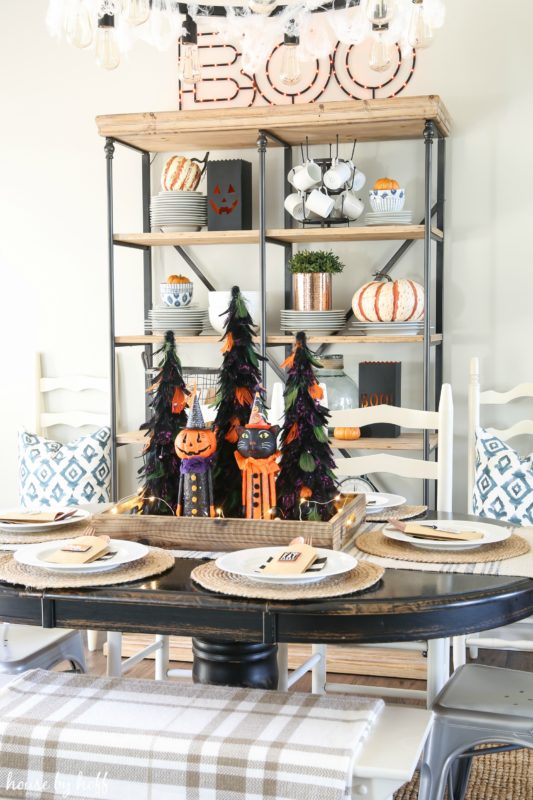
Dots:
{"x": 75, "y": 736}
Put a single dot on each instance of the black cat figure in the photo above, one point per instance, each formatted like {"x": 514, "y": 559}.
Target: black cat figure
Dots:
{"x": 257, "y": 456}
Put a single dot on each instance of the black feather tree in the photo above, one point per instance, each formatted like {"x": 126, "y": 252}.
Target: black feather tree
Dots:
{"x": 306, "y": 484}
{"x": 238, "y": 381}
{"x": 160, "y": 472}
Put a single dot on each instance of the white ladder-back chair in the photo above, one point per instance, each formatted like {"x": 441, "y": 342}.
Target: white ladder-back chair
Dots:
{"x": 440, "y": 470}
{"x": 518, "y": 635}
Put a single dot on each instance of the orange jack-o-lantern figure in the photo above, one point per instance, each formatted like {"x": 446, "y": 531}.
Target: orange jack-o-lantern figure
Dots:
{"x": 257, "y": 456}
{"x": 195, "y": 445}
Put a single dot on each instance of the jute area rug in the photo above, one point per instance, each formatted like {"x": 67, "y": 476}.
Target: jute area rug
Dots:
{"x": 502, "y": 776}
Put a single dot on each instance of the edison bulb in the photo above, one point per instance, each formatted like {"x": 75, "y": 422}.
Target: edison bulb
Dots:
{"x": 380, "y": 54}
{"x": 262, "y": 6}
{"x": 381, "y": 12}
{"x": 419, "y": 32}
{"x": 78, "y": 25}
{"x": 189, "y": 64}
{"x": 290, "y": 72}
{"x": 136, "y": 11}
{"x": 107, "y": 52}
{"x": 161, "y": 28}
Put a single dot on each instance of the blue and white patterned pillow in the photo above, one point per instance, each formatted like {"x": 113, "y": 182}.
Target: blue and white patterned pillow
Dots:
{"x": 52, "y": 474}
{"x": 503, "y": 482}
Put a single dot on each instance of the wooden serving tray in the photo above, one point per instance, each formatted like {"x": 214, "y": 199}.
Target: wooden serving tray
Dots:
{"x": 188, "y": 533}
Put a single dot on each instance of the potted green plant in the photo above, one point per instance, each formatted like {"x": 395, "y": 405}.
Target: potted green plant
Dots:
{"x": 311, "y": 279}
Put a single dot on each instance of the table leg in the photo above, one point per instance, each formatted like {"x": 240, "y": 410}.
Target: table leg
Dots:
{"x": 235, "y": 663}
{"x": 438, "y": 667}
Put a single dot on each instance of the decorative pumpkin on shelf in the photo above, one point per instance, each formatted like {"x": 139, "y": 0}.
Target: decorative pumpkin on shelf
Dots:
{"x": 386, "y": 183}
{"x": 348, "y": 434}
{"x": 401, "y": 300}
{"x": 181, "y": 174}
{"x": 195, "y": 445}
{"x": 256, "y": 455}
{"x": 178, "y": 279}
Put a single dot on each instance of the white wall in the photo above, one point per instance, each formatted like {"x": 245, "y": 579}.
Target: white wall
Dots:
{"x": 52, "y": 215}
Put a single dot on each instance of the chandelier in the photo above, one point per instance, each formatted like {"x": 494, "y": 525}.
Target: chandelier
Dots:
{"x": 306, "y": 29}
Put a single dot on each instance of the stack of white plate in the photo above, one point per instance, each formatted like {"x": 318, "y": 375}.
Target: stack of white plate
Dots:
{"x": 188, "y": 321}
{"x": 313, "y": 322}
{"x": 389, "y": 218}
{"x": 398, "y": 328}
{"x": 176, "y": 212}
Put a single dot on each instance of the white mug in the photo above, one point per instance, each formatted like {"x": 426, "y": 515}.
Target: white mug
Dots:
{"x": 295, "y": 206}
{"x": 352, "y": 206}
{"x": 358, "y": 179}
{"x": 319, "y": 202}
{"x": 307, "y": 177}
{"x": 338, "y": 174}
{"x": 292, "y": 173}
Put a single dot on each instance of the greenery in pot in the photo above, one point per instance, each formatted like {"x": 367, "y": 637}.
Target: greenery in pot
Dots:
{"x": 315, "y": 261}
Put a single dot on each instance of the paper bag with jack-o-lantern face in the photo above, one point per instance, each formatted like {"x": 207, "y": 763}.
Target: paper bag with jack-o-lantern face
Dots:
{"x": 229, "y": 195}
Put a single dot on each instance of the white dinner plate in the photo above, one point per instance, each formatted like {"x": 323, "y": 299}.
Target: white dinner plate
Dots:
{"x": 37, "y": 527}
{"x": 378, "y": 501}
{"x": 491, "y": 535}
{"x": 247, "y": 563}
{"x": 32, "y": 555}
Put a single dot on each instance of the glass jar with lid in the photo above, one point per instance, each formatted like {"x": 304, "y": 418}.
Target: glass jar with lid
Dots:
{"x": 342, "y": 391}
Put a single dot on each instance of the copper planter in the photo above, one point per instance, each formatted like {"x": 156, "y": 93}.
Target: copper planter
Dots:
{"x": 311, "y": 291}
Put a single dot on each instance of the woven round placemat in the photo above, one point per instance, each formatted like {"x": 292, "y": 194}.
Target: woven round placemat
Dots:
{"x": 376, "y": 544}
{"x": 210, "y": 577}
{"x": 65, "y": 532}
{"x": 402, "y": 512}
{"x": 155, "y": 562}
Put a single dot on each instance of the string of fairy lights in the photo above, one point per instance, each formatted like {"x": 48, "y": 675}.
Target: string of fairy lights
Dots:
{"x": 305, "y": 30}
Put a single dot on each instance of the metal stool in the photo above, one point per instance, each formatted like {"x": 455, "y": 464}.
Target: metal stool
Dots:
{"x": 25, "y": 647}
{"x": 478, "y": 705}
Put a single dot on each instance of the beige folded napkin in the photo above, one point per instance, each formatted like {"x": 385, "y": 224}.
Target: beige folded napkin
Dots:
{"x": 291, "y": 560}
{"x": 30, "y": 517}
{"x": 82, "y": 550}
{"x": 425, "y": 531}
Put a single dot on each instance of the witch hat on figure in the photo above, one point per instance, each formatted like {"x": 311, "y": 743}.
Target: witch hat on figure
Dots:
{"x": 258, "y": 413}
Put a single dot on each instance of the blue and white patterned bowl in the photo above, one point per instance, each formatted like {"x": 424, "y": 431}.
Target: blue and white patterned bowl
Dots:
{"x": 177, "y": 295}
{"x": 387, "y": 199}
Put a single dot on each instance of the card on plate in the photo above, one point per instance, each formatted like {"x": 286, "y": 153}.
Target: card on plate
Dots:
{"x": 93, "y": 548}
{"x": 31, "y": 517}
{"x": 291, "y": 560}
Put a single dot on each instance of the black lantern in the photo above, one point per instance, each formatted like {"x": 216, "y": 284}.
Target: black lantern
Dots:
{"x": 229, "y": 195}
{"x": 380, "y": 384}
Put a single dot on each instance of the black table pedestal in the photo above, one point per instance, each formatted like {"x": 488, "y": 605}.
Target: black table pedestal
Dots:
{"x": 235, "y": 663}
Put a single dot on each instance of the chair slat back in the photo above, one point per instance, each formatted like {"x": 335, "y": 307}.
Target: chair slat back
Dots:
{"x": 77, "y": 417}
{"x": 477, "y": 398}
{"x": 440, "y": 421}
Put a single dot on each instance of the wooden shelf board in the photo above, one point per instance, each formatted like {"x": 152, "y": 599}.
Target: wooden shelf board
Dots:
{"x": 278, "y": 340}
{"x": 362, "y": 233}
{"x": 406, "y": 441}
{"x": 237, "y": 128}
{"x": 369, "y": 233}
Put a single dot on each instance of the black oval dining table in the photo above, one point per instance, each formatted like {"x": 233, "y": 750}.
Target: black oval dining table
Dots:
{"x": 235, "y": 640}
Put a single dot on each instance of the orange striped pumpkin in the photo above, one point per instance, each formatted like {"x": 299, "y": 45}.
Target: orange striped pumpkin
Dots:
{"x": 180, "y": 174}
{"x": 401, "y": 300}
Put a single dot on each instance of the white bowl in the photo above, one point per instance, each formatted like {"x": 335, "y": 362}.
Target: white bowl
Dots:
{"x": 176, "y": 294}
{"x": 387, "y": 199}
{"x": 219, "y": 302}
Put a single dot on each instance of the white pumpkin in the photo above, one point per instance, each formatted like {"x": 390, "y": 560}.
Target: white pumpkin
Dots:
{"x": 401, "y": 300}
{"x": 180, "y": 174}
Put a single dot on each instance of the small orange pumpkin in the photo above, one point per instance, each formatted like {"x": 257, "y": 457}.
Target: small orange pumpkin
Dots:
{"x": 347, "y": 433}
{"x": 177, "y": 279}
{"x": 386, "y": 183}
{"x": 195, "y": 443}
